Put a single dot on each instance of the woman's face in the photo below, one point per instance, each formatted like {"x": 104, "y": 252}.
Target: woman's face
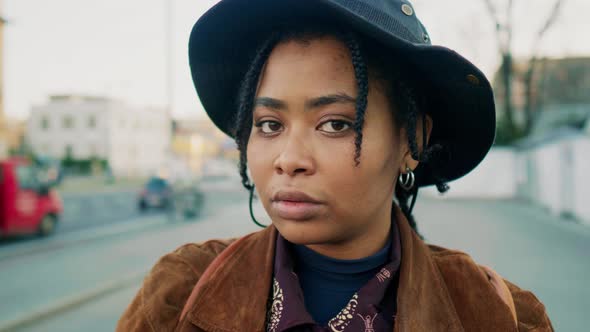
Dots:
{"x": 301, "y": 151}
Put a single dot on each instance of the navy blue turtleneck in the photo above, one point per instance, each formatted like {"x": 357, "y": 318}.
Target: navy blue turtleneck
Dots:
{"x": 328, "y": 284}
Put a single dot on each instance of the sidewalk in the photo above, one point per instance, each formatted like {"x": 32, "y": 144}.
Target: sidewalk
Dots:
{"x": 526, "y": 245}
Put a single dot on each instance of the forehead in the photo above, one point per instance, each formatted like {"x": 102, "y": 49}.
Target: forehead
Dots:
{"x": 322, "y": 63}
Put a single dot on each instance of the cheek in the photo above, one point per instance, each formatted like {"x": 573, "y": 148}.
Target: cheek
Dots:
{"x": 260, "y": 155}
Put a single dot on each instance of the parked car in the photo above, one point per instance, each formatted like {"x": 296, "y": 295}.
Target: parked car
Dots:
{"x": 28, "y": 203}
{"x": 156, "y": 193}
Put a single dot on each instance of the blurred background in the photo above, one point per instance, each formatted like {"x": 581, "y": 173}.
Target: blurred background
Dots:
{"x": 108, "y": 161}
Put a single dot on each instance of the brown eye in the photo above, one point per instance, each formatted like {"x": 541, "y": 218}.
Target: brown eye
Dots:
{"x": 335, "y": 126}
{"x": 269, "y": 127}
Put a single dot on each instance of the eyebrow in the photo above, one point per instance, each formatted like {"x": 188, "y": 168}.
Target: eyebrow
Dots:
{"x": 276, "y": 104}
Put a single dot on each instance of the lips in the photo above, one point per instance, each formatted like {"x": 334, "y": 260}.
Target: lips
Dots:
{"x": 294, "y": 196}
{"x": 295, "y": 205}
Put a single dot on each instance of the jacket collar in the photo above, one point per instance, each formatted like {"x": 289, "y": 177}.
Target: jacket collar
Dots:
{"x": 423, "y": 301}
{"x": 232, "y": 294}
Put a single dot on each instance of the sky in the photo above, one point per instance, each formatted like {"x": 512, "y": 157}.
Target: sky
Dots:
{"x": 117, "y": 48}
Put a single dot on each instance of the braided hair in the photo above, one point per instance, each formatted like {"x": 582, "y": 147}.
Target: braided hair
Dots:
{"x": 367, "y": 59}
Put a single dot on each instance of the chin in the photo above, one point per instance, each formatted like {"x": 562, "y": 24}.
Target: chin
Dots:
{"x": 305, "y": 232}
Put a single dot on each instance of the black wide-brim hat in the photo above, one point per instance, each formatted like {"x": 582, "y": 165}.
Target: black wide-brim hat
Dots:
{"x": 224, "y": 40}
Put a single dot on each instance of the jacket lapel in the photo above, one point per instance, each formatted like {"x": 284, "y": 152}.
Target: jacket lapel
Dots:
{"x": 232, "y": 294}
{"x": 423, "y": 301}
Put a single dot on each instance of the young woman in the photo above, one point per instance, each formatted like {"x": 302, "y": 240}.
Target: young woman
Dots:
{"x": 341, "y": 110}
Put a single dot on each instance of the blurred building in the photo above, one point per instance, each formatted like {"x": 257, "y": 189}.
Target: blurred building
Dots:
{"x": 548, "y": 168}
{"x": 558, "y": 85}
{"x": 552, "y": 162}
{"x": 198, "y": 140}
{"x": 134, "y": 141}
{"x": 11, "y": 136}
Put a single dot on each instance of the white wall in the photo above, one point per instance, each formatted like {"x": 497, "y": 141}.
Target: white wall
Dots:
{"x": 554, "y": 175}
{"x": 581, "y": 175}
{"x": 558, "y": 177}
{"x": 494, "y": 177}
{"x": 83, "y": 139}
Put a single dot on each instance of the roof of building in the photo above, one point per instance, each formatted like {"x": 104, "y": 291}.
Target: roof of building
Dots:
{"x": 556, "y": 81}
{"x": 79, "y": 98}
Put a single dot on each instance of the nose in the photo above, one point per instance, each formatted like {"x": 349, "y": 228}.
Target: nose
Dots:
{"x": 295, "y": 158}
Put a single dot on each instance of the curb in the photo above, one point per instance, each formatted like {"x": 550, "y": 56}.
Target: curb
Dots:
{"x": 71, "y": 302}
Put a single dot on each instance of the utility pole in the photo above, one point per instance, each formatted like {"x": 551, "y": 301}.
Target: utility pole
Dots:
{"x": 3, "y": 125}
{"x": 2, "y": 23}
{"x": 169, "y": 55}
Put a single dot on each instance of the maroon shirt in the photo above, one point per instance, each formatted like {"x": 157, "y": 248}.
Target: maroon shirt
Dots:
{"x": 371, "y": 309}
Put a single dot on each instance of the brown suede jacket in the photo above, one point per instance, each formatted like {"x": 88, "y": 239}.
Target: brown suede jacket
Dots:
{"x": 223, "y": 286}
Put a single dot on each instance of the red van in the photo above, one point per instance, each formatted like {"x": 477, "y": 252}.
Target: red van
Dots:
{"x": 28, "y": 205}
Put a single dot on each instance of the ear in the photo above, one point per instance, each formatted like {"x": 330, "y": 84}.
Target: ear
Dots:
{"x": 407, "y": 160}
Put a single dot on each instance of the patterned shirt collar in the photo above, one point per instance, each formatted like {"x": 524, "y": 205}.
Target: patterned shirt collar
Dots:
{"x": 372, "y": 308}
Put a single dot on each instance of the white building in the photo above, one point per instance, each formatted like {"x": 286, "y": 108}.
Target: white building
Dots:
{"x": 134, "y": 141}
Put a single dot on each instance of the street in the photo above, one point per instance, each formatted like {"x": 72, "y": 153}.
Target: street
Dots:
{"x": 80, "y": 282}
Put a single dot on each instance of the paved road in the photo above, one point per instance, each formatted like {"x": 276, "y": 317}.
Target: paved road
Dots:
{"x": 91, "y": 210}
{"x": 526, "y": 245}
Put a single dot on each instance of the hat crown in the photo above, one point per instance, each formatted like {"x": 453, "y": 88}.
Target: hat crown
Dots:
{"x": 397, "y": 17}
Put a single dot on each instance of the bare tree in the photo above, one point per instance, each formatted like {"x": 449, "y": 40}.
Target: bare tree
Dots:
{"x": 504, "y": 39}
{"x": 529, "y": 75}
{"x": 504, "y": 33}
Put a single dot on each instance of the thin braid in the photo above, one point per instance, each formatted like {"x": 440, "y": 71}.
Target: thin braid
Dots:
{"x": 243, "y": 121}
{"x": 362, "y": 81}
{"x": 411, "y": 115}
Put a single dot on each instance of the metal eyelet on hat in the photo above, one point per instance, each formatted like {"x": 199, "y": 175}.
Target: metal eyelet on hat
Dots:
{"x": 407, "y": 9}
{"x": 472, "y": 79}
{"x": 425, "y": 37}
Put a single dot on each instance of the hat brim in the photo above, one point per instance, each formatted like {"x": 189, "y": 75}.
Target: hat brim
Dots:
{"x": 224, "y": 40}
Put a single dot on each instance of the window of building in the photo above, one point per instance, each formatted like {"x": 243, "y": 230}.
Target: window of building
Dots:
{"x": 69, "y": 151}
{"x": 45, "y": 123}
{"x": 68, "y": 122}
{"x": 92, "y": 122}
